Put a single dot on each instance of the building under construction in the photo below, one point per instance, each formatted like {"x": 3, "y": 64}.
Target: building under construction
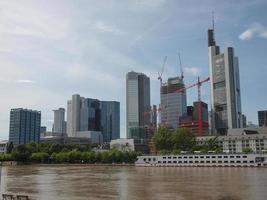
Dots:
{"x": 173, "y": 103}
{"x": 191, "y": 120}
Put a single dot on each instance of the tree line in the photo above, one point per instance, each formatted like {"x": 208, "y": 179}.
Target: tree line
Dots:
{"x": 59, "y": 153}
{"x": 181, "y": 139}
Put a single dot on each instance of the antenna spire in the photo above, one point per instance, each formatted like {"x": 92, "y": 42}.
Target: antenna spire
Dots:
{"x": 181, "y": 67}
{"x": 213, "y": 26}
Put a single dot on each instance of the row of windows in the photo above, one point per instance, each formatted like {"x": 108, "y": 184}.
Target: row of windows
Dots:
{"x": 214, "y": 156}
{"x": 207, "y": 161}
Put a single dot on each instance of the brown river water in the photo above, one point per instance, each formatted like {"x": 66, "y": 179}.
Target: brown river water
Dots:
{"x": 72, "y": 182}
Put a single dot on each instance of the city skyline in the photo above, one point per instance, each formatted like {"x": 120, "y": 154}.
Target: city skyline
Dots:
{"x": 46, "y": 58}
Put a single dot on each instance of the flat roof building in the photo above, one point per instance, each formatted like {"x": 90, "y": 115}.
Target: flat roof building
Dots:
{"x": 24, "y": 126}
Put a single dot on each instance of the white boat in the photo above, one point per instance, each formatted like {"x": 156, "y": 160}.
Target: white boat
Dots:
{"x": 203, "y": 160}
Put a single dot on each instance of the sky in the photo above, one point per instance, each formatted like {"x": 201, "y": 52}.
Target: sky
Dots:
{"x": 50, "y": 50}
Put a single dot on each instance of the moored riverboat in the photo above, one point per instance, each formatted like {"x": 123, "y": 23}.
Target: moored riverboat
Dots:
{"x": 203, "y": 160}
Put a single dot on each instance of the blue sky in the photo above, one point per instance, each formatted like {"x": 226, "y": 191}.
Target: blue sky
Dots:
{"x": 50, "y": 50}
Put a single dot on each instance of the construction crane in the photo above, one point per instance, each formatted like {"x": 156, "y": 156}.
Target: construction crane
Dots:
{"x": 181, "y": 67}
{"x": 198, "y": 84}
{"x": 162, "y": 70}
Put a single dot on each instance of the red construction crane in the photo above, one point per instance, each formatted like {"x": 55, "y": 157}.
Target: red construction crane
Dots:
{"x": 198, "y": 84}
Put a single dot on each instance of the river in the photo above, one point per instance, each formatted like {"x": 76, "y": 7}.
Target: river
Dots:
{"x": 70, "y": 182}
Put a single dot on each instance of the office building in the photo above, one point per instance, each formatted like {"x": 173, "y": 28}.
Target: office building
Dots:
{"x": 24, "y": 126}
{"x": 137, "y": 103}
{"x": 59, "y": 125}
{"x": 42, "y": 129}
{"x": 110, "y": 120}
{"x": 225, "y": 87}
{"x": 83, "y": 114}
{"x": 86, "y": 116}
{"x": 244, "y": 121}
{"x": 191, "y": 119}
{"x": 262, "y": 117}
{"x": 173, "y": 102}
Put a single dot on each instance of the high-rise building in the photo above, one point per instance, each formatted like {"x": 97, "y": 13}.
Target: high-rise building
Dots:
{"x": 173, "y": 102}
{"x": 262, "y": 117}
{"x": 137, "y": 103}
{"x": 244, "y": 121}
{"x": 83, "y": 114}
{"x": 225, "y": 87}
{"x": 191, "y": 120}
{"x": 24, "y": 126}
{"x": 154, "y": 117}
{"x": 86, "y": 115}
{"x": 59, "y": 125}
{"x": 110, "y": 120}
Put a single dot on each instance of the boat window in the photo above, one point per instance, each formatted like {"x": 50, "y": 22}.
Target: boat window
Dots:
{"x": 202, "y": 161}
{"x": 207, "y": 161}
{"x": 149, "y": 159}
{"x": 175, "y": 161}
{"x": 154, "y": 159}
{"x": 164, "y": 157}
{"x": 144, "y": 159}
{"x": 190, "y": 161}
{"x": 174, "y": 157}
{"x": 185, "y": 157}
{"x": 207, "y": 156}
{"x": 201, "y": 156}
{"x": 238, "y": 161}
{"x": 169, "y": 157}
{"x": 179, "y": 157}
{"x": 225, "y": 156}
{"x": 237, "y": 156}
{"x": 169, "y": 161}
{"x": 232, "y": 161}
{"x": 244, "y": 161}
{"x": 159, "y": 161}
{"x": 219, "y": 156}
{"x": 226, "y": 161}
{"x": 214, "y": 161}
{"x": 196, "y": 156}
{"x": 231, "y": 156}
{"x": 180, "y": 161}
{"x": 213, "y": 156}
{"x": 196, "y": 161}
{"x": 164, "y": 161}
{"x": 244, "y": 156}
{"x": 185, "y": 161}
{"x": 219, "y": 161}
{"x": 252, "y": 161}
{"x": 190, "y": 157}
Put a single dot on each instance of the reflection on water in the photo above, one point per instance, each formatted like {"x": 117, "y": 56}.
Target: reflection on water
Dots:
{"x": 87, "y": 182}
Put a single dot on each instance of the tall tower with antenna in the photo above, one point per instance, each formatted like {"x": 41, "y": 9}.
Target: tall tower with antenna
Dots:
{"x": 225, "y": 87}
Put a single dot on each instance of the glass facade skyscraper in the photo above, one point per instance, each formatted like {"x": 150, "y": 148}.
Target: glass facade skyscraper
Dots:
{"x": 25, "y": 126}
{"x": 137, "y": 101}
{"x": 86, "y": 114}
{"x": 225, "y": 88}
{"x": 110, "y": 120}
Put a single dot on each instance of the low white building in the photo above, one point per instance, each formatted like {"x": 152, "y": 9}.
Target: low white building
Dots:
{"x": 3, "y": 146}
{"x": 122, "y": 144}
{"x": 236, "y": 143}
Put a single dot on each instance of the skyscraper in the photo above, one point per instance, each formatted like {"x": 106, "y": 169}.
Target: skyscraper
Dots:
{"x": 59, "y": 125}
{"x": 83, "y": 114}
{"x": 110, "y": 120}
{"x": 173, "y": 103}
{"x": 24, "y": 126}
{"x": 262, "y": 117}
{"x": 137, "y": 102}
{"x": 86, "y": 114}
{"x": 225, "y": 87}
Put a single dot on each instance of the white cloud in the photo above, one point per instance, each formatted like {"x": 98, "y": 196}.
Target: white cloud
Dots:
{"x": 24, "y": 81}
{"x": 255, "y": 30}
{"x": 193, "y": 71}
{"x": 105, "y": 28}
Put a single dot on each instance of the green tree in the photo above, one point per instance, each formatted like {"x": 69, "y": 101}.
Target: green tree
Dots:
{"x": 183, "y": 139}
{"x": 247, "y": 150}
{"x": 162, "y": 139}
{"x": 40, "y": 157}
{"x": 22, "y": 154}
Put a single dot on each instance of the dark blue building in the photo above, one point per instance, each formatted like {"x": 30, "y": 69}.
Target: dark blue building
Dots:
{"x": 110, "y": 120}
{"x": 24, "y": 126}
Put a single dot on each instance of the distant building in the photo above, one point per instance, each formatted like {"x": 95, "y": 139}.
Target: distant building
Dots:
{"x": 250, "y": 124}
{"x": 110, "y": 120}
{"x": 24, "y": 126}
{"x": 137, "y": 102}
{"x": 83, "y": 114}
{"x": 93, "y": 115}
{"x": 173, "y": 103}
{"x": 154, "y": 117}
{"x": 238, "y": 143}
{"x": 191, "y": 119}
{"x": 225, "y": 87}
{"x": 262, "y": 117}
{"x": 66, "y": 140}
{"x": 52, "y": 134}
{"x": 130, "y": 144}
{"x": 244, "y": 121}
{"x": 42, "y": 129}
{"x": 96, "y": 137}
{"x": 3, "y": 146}
{"x": 59, "y": 125}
